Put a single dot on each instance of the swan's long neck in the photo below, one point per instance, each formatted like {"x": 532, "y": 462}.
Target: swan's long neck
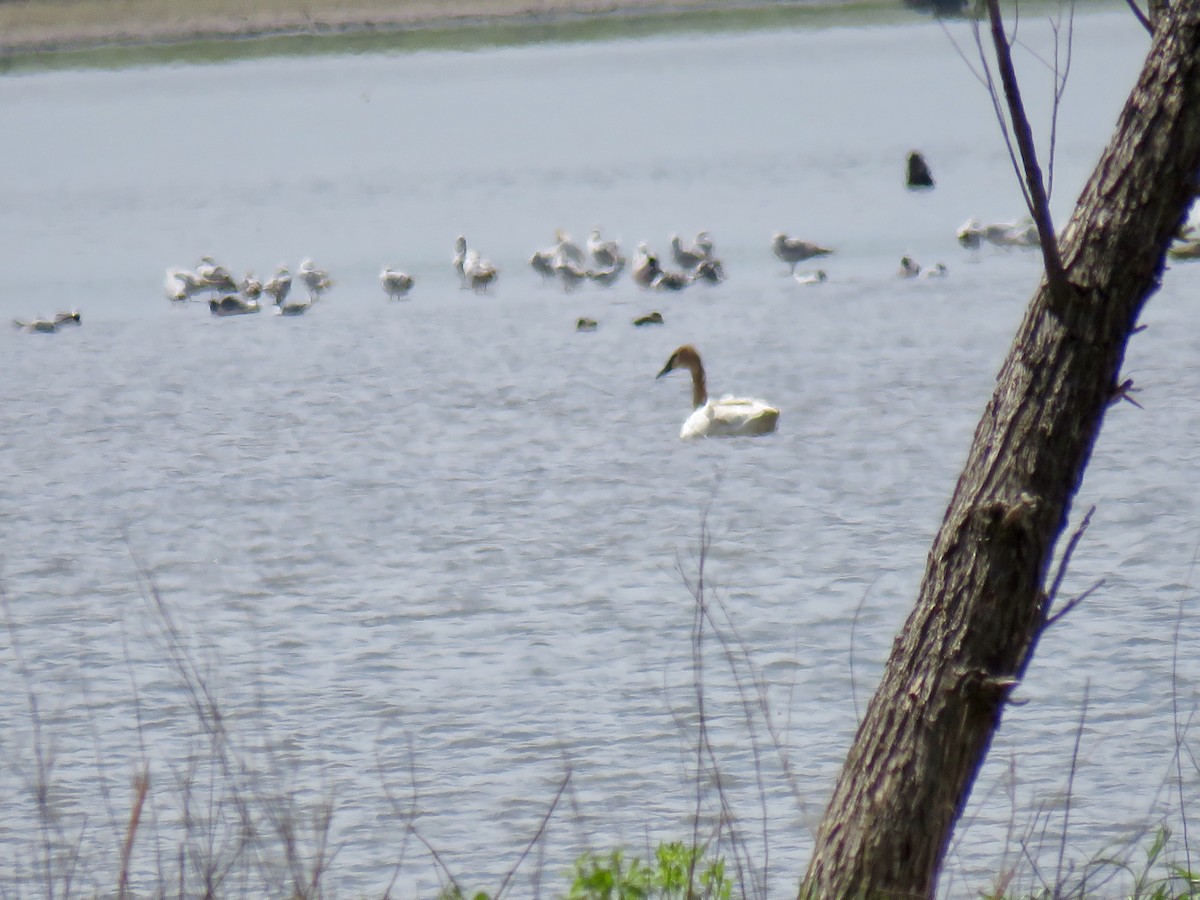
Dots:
{"x": 699, "y": 390}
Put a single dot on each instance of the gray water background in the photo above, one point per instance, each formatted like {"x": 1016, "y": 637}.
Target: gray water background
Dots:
{"x": 441, "y": 545}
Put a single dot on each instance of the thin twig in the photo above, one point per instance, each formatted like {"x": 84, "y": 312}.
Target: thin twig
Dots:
{"x": 1062, "y": 842}
{"x": 1175, "y": 720}
{"x": 1072, "y": 603}
{"x": 141, "y": 787}
{"x": 1039, "y": 205}
{"x": 1001, "y": 118}
{"x": 853, "y": 627}
{"x": 1066, "y": 557}
{"x": 537, "y": 836}
{"x": 1140, "y": 16}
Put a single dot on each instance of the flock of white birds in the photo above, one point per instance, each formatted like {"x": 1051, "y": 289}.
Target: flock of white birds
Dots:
{"x": 566, "y": 263}
{"x": 599, "y": 261}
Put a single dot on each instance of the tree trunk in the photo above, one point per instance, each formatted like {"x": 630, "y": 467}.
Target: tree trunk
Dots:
{"x": 982, "y": 603}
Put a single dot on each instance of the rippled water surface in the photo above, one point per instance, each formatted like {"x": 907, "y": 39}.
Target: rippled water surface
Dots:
{"x": 433, "y": 554}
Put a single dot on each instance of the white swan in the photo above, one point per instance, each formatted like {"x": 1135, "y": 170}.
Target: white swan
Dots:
{"x": 727, "y": 417}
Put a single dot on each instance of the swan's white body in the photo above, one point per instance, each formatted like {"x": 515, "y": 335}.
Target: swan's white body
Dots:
{"x": 730, "y": 417}
{"x": 727, "y": 417}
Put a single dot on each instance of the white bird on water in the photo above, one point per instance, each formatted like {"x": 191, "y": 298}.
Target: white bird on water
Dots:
{"x": 182, "y": 284}
{"x": 279, "y": 286}
{"x": 396, "y": 284}
{"x": 478, "y": 273}
{"x": 567, "y": 248}
{"x": 251, "y": 287}
{"x": 691, "y": 257}
{"x": 605, "y": 253}
{"x": 214, "y": 277}
{"x": 646, "y": 267}
{"x": 727, "y": 417}
{"x": 974, "y": 233}
{"x": 36, "y": 326}
{"x": 794, "y": 251}
{"x": 316, "y": 280}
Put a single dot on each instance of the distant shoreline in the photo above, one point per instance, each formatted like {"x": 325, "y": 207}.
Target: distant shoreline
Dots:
{"x": 32, "y": 27}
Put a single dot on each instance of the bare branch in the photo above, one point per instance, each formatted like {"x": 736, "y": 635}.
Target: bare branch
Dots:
{"x": 1140, "y": 16}
{"x": 1060, "y": 86}
{"x": 1066, "y": 557}
{"x": 1001, "y": 119}
{"x": 1066, "y": 824}
{"x": 1074, "y": 602}
{"x": 537, "y": 835}
{"x": 141, "y": 787}
{"x": 1039, "y": 206}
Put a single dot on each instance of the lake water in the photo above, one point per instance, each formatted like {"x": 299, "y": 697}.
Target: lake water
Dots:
{"x": 433, "y": 555}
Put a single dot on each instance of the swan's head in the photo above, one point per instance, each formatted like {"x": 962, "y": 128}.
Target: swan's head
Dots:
{"x": 778, "y": 240}
{"x": 685, "y": 357}
{"x": 460, "y": 244}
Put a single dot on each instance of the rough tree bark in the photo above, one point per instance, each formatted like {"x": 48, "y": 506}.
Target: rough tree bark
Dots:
{"x": 982, "y": 602}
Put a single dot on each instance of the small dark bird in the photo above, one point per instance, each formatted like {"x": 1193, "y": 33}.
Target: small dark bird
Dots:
{"x": 919, "y": 177}
{"x": 655, "y": 318}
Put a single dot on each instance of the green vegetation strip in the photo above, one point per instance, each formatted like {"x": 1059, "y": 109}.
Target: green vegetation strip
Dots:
{"x": 52, "y": 34}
